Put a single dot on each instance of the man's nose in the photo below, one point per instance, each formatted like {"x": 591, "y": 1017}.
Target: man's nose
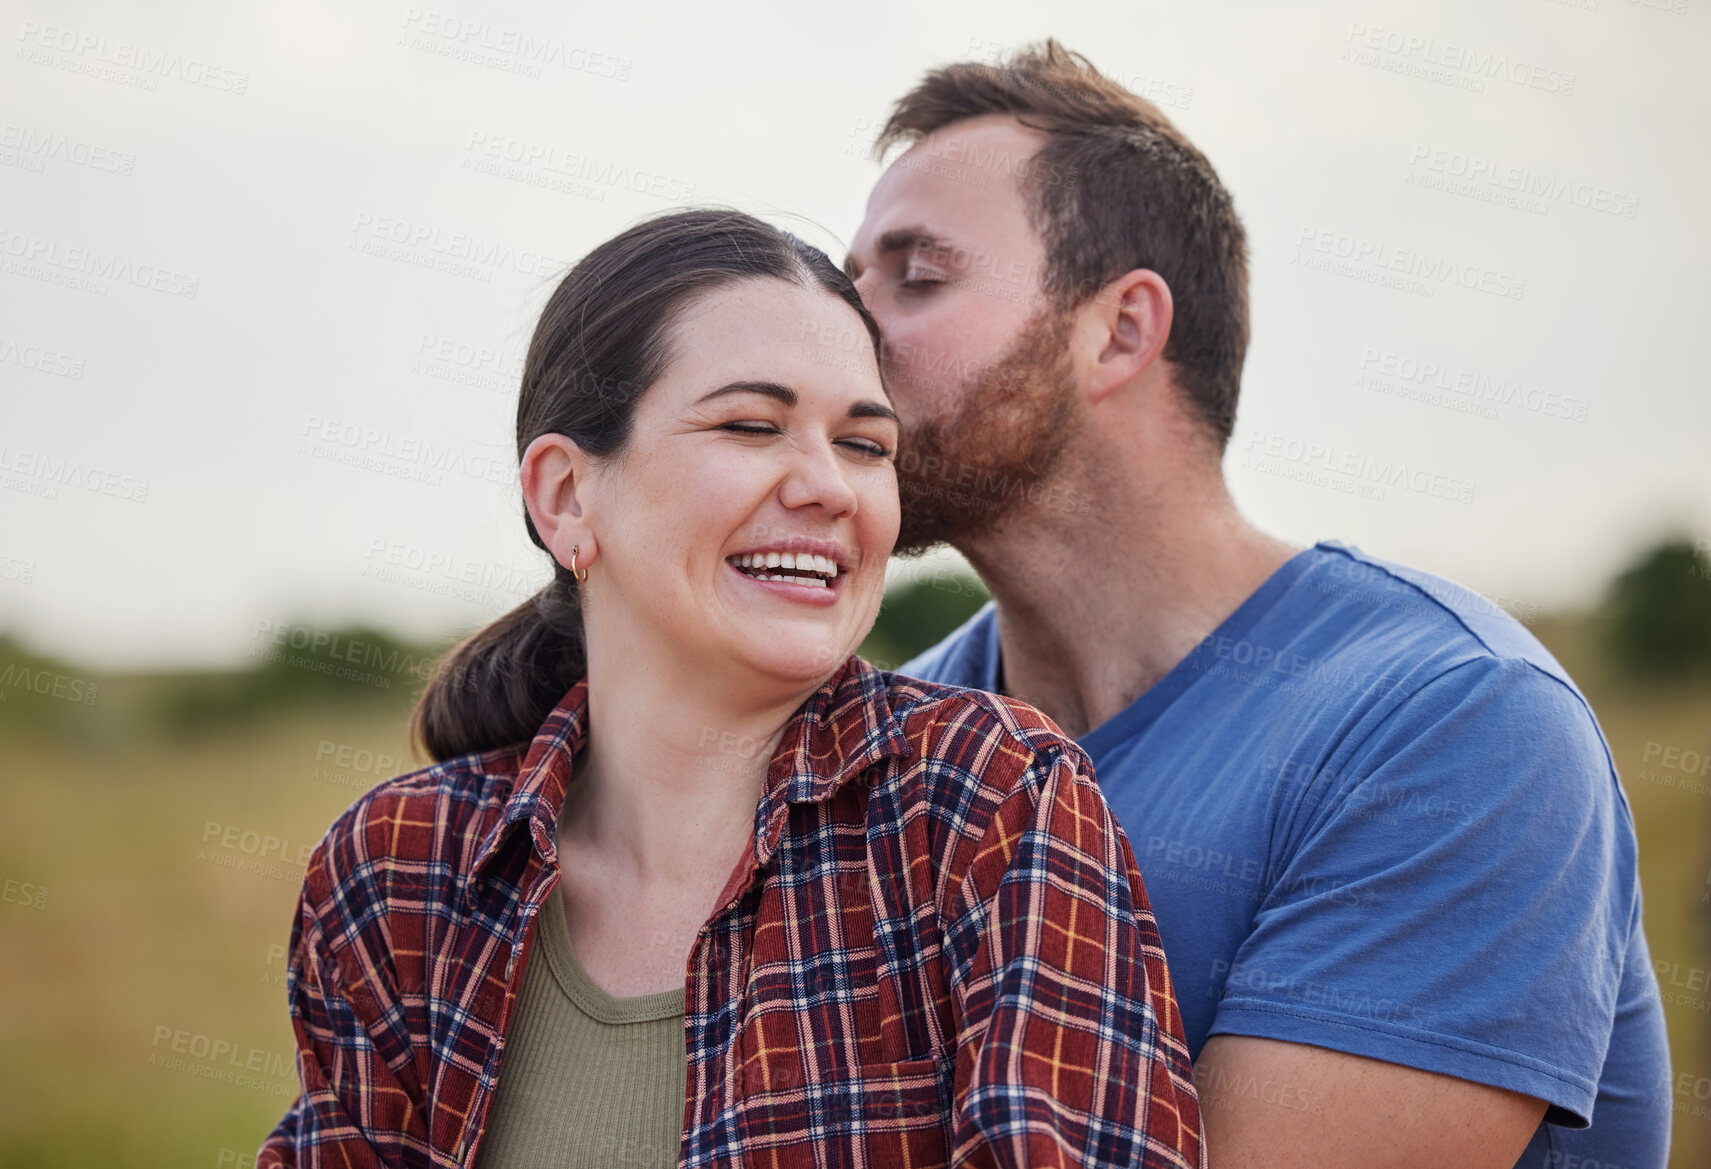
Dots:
{"x": 864, "y": 288}
{"x": 867, "y": 287}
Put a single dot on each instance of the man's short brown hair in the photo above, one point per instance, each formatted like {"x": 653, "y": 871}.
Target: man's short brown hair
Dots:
{"x": 1116, "y": 187}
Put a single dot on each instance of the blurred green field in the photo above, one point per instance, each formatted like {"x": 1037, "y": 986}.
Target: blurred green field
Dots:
{"x": 150, "y": 874}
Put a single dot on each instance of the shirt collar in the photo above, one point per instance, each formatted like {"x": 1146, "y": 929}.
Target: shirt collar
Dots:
{"x": 842, "y": 729}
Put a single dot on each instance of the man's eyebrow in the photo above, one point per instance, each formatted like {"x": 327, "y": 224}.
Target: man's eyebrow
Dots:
{"x": 866, "y": 408}
{"x": 898, "y": 239}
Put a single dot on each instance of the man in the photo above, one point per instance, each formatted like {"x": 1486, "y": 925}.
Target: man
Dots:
{"x": 1391, "y": 863}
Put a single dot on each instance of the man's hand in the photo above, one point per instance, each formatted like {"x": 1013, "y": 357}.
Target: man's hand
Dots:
{"x": 1274, "y": 1105}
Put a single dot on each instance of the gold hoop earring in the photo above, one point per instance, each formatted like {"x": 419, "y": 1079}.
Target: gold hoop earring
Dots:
{"x": 580, "y": 576}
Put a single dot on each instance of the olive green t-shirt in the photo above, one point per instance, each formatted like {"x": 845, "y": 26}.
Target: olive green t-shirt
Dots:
{"x": 586, "y": 1079}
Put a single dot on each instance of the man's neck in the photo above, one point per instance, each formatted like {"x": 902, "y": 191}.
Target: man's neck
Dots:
{"x": 1094, "y": 610}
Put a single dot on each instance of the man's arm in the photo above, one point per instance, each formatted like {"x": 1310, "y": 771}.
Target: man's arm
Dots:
{"x": 1286, "y": 1105}
{"x": 1435, "y": 964}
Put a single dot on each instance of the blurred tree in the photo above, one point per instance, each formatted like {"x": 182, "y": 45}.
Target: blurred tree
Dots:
{"x": 42, "y": 693}
{"x": 918, "y": 614}
{"x": 1659, "y": 613}
{"x": 303, "y": 666}
{"x": 357, "y": 665}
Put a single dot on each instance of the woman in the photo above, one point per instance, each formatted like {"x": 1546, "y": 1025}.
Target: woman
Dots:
{"x": 794, "y": 910}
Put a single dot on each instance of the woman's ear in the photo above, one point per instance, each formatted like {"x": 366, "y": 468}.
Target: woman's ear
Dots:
{"x": 554, "y": 477}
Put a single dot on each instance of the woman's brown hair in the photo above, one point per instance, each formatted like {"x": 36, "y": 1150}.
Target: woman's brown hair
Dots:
{"x": 603, "y": 339}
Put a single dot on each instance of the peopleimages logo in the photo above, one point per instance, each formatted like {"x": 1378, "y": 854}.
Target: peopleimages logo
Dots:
{"x": 48, "y": 361}
{"x": 448, "y": 573}
{"x": 403, "y": 456}
{"x": 142, "y": 66}
{"x": 47, "y": 683}
{"x": 485, "y": 366}
{"x": 430, "y": 240}
{"x": 1446, "y": 62}
{"x": 1237, "y": 977}
{"x": 495, "y": 147}
{"x": 86, "y": 268}
{"x": 1274, "y": 453}
{"x": 507, "y": 49}
{"x": 319, "y": 648}
{"x": 45, "y": 146}
{"x": 223, "y": 1060}
{"x": 1460, "y": 173}
{"x": 39, "y": 473}
{"x": 1466, "y": 383}
{"x": 1412, "y": 269}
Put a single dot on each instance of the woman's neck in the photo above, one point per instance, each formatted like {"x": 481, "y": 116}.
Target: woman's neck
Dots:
{"x": 673, "y": 767}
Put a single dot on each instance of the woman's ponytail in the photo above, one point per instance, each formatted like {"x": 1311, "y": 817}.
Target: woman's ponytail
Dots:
{"x": 497, "y": 686}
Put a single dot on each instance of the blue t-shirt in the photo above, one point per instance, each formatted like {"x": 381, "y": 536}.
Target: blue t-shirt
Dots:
{"x": 1374, "y": 814}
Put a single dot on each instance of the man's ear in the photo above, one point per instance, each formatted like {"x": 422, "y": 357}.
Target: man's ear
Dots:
{"x": 1128, "y": 323}
{"x": 554, "y": 477}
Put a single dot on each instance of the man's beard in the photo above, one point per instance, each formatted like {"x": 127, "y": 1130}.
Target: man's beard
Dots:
{"x": 967, "y": 468}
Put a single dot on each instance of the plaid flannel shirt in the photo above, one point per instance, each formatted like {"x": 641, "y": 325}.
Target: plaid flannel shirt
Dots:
{"x": 936, "y": 950}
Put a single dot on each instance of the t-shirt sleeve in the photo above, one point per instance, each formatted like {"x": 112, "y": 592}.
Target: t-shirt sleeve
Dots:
{"x": 1454, "y": 893}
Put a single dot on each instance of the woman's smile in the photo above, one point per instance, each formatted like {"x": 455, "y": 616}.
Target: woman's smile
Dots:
{"x": 798, "y": 569}
{"x": 806, "y": 587}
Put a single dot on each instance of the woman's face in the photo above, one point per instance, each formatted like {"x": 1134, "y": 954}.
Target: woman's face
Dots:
{"x": 768, "y": 435}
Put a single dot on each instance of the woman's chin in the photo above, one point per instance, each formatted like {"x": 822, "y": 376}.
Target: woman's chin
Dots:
{"x": 798, "y": 661}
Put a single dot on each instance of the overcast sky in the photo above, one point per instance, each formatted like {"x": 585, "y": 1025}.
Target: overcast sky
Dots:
{"x": 230, "y": 395}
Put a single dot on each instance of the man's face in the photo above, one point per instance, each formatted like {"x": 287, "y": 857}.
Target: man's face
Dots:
{"x": 975, "y": 359}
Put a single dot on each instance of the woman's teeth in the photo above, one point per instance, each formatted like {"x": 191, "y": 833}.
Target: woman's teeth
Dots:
{"x": 797, "y": 568}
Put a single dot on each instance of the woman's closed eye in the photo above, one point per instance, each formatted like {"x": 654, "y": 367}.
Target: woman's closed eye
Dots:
{"x": 865, "y": 445}
{"x": 868, "y": 446}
